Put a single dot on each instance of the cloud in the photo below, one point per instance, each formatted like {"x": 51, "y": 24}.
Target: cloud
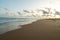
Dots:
{"x": 19, "y": 13}
{"x": 6, "y": 9}
{"x": 57, "y": 13}
{"x": 4, "y": 12}
{"x": 26, "y": 11}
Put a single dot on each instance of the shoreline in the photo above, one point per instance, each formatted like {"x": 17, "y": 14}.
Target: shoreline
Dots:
{"x": 39, "y": 30}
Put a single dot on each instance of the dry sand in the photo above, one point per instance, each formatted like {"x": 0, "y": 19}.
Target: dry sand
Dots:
{"x": 39, "y": 30}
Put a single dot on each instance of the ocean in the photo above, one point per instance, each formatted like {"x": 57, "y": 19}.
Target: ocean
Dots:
{"x": 9, "y": 24}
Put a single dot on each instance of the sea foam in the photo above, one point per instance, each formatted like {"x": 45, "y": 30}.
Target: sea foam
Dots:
{"x": 9, "y": 24}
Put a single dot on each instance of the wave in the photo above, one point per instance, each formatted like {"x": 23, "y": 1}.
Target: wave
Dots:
{"x": 8, "y": 24}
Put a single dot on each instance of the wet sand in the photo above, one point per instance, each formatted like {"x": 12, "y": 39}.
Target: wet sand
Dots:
{"x": 39, "y": 30}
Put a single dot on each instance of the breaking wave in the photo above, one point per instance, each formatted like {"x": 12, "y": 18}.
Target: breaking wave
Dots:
{"x": 8, "y": 24}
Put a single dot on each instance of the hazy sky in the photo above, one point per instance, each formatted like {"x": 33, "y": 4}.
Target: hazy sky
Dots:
{"x": 19, "y": 5}
{"x": 29, "y": 4}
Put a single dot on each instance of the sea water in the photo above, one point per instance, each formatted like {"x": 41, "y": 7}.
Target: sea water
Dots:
{"x": 9, "y": 24}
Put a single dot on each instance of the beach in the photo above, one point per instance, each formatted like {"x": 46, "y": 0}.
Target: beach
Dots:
{"x": 39, "y": 30}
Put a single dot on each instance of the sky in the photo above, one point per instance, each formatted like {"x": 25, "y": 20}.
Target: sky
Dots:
{"x": 29, "y": 4}
{"x": 19, "y": 5}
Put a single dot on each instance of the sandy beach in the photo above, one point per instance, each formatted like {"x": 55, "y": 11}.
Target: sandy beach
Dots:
{"x": 39, "y": 30}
